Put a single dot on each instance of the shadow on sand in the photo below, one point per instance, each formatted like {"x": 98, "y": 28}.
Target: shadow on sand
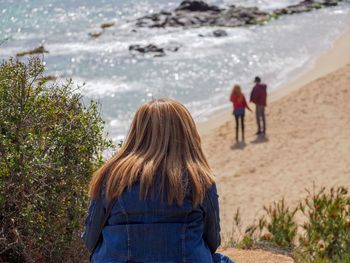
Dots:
{"x": 238, "y": 146}
{"x": 261, "y": 138}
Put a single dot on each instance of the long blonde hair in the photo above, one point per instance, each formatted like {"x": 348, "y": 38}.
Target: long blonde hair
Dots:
{"x": 237, "y": 91}
{"x": 162, "y": 141}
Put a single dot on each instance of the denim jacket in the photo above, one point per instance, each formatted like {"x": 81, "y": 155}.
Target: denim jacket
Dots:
{"x": 152, "y": 231}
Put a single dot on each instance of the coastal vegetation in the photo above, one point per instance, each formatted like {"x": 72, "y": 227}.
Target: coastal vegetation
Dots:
{"x": 316, "y": 230}
{"x": 50, "y": 142}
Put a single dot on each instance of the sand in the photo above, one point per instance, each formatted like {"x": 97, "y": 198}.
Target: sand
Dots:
{"x": 307, "y": 142}
{"x": 256, "y": 256}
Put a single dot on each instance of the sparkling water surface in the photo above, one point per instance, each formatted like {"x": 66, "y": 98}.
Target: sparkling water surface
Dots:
{"x": 200, "y": 74}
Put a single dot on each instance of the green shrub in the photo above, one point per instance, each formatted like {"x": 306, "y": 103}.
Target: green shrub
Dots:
{"x": 327, "y": 229}
{"x": 280, "y": 226}
{"x": 247, "y": 242}
{"x": 325, "y": 235}
{"x": 50, "y": 143}
{"x": 239, "y": 239}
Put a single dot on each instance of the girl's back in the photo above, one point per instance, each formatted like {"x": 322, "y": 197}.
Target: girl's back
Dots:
{"x": 165, "y": 206}
{"x": 151, "y": 230}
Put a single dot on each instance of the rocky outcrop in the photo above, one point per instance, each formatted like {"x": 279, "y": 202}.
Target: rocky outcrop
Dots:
{"x": 153, "y": 49}
{"x": 35, "y": 51}
{"x": 107, "y": 25}
{"x": 95, "y": 34}
{"x": 196, "y": 6}
{"x": 219, "y": 33}
{"x": 305, "y": 6}
{"x": 103, "y": 26}
{"x": 215, "y": 33}
{"x": 198, "y": 13}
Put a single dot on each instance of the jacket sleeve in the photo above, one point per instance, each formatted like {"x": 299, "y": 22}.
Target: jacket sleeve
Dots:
{"x": 94, "y": 221}
{"x": 252, "y": 95}
{"x": 211, "y": 219}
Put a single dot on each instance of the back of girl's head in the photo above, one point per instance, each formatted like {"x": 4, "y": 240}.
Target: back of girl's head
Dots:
{"x": 237, "y": 90}
{"x": 162, "y": 142}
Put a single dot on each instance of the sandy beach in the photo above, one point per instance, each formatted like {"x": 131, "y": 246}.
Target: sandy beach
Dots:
{"x": 307, "y": 142}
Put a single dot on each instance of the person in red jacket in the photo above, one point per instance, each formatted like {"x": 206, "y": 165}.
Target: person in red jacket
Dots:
{"x": 258, "y": 97}
{"x": 239, "y": 105}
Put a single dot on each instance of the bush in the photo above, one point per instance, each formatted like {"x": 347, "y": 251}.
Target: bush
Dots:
{"x": 49, "y": 145}
{"x": 327, "y": 229}
{"x": 280, "y": 226}
{"x": 325, "y": 235}
{"x": 239, "y": 239}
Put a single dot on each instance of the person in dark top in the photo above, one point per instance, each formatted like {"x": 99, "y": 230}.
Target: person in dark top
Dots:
{"x": 258, "y": 97}
{"x": 239, "y": 105}
{"x": 157, "y": 194}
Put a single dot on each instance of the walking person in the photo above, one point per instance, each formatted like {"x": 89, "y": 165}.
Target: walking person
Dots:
{"x": 258, "y": 97}
{"x": 155, "y": 200}
{"x": 239, "y": 105}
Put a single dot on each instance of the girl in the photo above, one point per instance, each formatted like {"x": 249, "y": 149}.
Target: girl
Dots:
{"x": 155, "y": 200}
{"x": 239, "y": 104}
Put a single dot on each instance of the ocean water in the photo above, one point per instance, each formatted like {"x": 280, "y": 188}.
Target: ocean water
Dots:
{"x": 200, "y": 74}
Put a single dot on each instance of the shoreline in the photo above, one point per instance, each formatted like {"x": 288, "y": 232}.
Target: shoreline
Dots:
{"x": 307, "y": 143}
{"x": 335, "y": 57}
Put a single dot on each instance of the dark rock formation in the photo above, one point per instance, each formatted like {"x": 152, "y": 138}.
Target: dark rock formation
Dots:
{"x": 239, "y": 16}
{"x": 95, "y": 34}
{"x": 103, "y": 26}
{"x": 38, "y": 50}
{"x": 219, "y": 33}
{"x": 215, "y": 33}
{"x": 197, "y": 6}
{"x": 107, "y": 25}
{"x": 330, "y": 3}
{"x": 198, "y": 13}
{"x": 153, "y": 49}
{"x": 305, "y": 6}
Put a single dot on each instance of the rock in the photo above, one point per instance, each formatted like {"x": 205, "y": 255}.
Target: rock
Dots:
{"x": 215, "y": 33}
{"x": 156, "y": 51}
{"x": 198, "y": 13}
{"x": 38, "y": 50}
{"x": 244, "y": 15}
{"x": 95, "y": 34}
{"x": 327, "y": 3}
{"x": 219, "y": 33}
{"x": 196, "y": 6}
{"x": 305, "y": 6}
{"x": 107, "y": 25}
